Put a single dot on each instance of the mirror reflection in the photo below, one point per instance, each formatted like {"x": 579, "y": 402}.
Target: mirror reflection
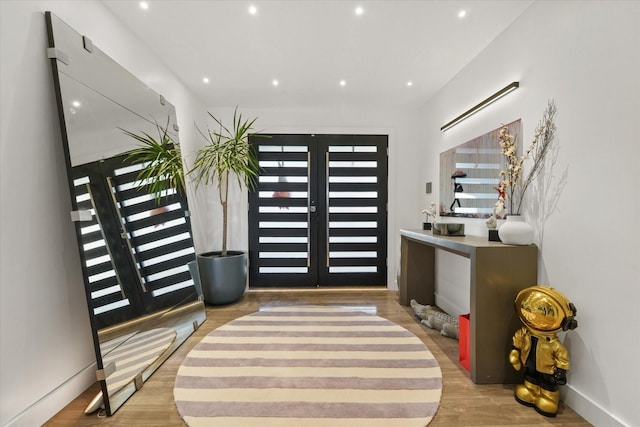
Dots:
{"x": 470, "y": 173}
{"x": 134, "y": 248}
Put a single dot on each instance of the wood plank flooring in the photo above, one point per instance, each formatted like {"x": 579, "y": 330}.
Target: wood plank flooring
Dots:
{"x": 463, "y": 402}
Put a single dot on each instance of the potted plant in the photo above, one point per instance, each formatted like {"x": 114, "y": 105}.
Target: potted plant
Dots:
{"x": 226, "y": 154}
{"x": 162, "y": 173}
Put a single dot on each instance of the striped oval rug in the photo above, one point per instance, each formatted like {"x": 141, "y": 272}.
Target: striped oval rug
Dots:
{"x": 134, "y": 355}
{"x": 309, "y": 366}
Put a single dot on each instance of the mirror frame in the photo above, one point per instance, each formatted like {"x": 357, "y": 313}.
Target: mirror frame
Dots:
{"x": 115, "y": 99}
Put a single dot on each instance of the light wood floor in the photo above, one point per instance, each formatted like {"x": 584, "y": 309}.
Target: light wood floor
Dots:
{"x": 463, "y": 402}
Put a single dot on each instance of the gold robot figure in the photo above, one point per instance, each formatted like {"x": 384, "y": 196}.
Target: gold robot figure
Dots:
{"x": 544, "y": 312}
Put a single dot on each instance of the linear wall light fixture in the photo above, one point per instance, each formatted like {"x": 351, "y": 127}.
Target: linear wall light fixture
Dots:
{"x": 499, "y": 94}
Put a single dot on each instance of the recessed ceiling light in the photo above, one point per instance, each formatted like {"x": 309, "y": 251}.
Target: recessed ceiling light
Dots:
{"x": 343, "y": 83}
{"x": 205, "y": 80}
{"x": 253, "y": 10}
{"x": 359, "y": 10}
{"x": 409, "y": 83}
{"x": 275, "y": 82}
{"x": 144, "y": 5}
{"x": 76, "y": 104}
{"x": 462, "y": 14}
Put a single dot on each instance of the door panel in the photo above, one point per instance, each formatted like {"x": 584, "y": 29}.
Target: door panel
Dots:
{"x": 282, "y": 227}
{"x": 115, "y": 297}
{"x": 318, "y": 214}
{"x": 354, "y": 229}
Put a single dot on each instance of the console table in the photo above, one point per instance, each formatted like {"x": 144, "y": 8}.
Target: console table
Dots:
{"x": 498, "y": 273}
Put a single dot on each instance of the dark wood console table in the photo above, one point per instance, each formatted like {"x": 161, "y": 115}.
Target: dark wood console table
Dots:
{"x": 498, "y": 273}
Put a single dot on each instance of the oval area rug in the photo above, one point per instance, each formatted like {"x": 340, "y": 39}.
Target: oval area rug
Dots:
{"x": 309, "y": 366}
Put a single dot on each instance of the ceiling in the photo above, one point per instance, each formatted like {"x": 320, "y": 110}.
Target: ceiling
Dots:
{"x": 309, "y": 47}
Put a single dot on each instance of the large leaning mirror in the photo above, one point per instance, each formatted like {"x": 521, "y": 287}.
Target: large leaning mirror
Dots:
{"x": 470, "y": 173}
{"x": 134, "y": 248}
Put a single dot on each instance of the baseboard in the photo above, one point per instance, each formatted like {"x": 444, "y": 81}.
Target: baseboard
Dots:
{"x": 448, "y": 306}
{"x": 322, "y": 289}
{"x": 46, "y": 407}
{"x": 590, "y": 410}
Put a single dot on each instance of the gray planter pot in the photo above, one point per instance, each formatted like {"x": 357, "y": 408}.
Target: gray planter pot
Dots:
{"x": 223, "y": 279}
{"x": 195, "y": 275}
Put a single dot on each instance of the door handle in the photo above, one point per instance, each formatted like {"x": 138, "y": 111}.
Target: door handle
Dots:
{"x": 124, "y": 234}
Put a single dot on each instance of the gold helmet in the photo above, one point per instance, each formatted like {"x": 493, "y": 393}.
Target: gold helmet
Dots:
{"x": 544, "y": 309}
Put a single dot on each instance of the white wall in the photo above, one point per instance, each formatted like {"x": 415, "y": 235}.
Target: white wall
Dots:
{"x": 46, "y": 349}
{"x": 586, "y": 56}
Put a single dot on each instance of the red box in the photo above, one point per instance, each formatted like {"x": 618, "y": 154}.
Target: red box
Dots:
{"x": 464, "y": 341}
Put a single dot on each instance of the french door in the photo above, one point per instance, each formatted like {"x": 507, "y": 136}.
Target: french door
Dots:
{"x": 318, "y": 215}
{"x": 134, "y": 251}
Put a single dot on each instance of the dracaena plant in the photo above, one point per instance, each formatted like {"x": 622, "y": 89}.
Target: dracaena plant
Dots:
{"x": 227, "y": 154}
{"x": 162, "y": 170}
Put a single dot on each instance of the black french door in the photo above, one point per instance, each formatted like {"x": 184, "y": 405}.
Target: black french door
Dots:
{"x": 318, "y": 215}
{"x": 134, "y": 251}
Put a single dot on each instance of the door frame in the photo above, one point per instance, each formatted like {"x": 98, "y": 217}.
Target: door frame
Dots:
{"x": 318, "y": 148}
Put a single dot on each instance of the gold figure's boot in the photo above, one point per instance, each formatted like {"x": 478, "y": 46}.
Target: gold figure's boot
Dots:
{"x": 527, "y": 393}
{"x": 547, "y": 402}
